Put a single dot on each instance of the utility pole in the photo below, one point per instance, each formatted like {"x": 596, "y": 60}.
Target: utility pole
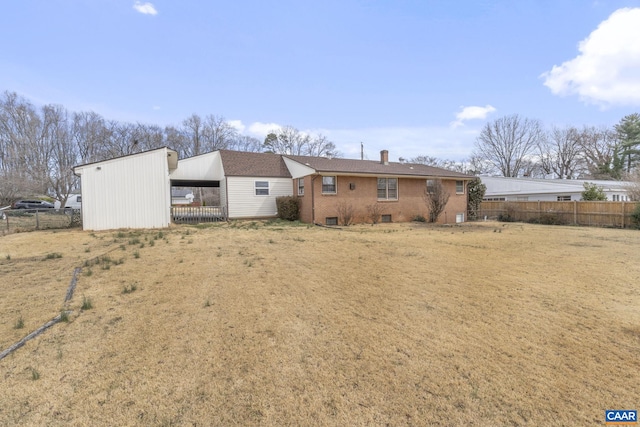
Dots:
{"x": 361, "y": 151}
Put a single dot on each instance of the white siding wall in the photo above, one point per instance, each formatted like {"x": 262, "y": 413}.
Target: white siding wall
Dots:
{"x": 129, "y": 192}
{"x": 223, "y": 194}
{"x": 243, "y": 202}
{"x": 205, "y": 167}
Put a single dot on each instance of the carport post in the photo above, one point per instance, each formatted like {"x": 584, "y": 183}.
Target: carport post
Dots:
{"x": 37, "y": 220}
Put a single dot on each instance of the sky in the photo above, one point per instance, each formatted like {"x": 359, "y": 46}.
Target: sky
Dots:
{"x": 415, "y": 77}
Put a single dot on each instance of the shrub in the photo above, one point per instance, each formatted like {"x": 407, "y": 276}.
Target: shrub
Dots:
{"x": 374, "y": 212}
{"x": 288, "y": 207}
{"x": 419, "y": 218}
{"x": 548, "y": 219}
{"x": 345, "y": 213}
{"x": 509, "y": 214}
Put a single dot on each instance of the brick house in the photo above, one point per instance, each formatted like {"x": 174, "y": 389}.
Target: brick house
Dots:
{"x": 397, "y": 190}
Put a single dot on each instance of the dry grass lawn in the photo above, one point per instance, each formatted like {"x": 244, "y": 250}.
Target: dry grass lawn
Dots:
{"x": 250, "y": 323}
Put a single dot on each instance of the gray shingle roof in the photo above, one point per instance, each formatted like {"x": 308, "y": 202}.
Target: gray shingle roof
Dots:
{"x": 326, "y": 165}
{"x": 239, "y": 163}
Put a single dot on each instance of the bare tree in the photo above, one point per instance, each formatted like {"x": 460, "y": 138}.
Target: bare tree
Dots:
{"x": 247, "y": 143}
{"x": 507, "y": 142}
{"x": 436, "y": 198}
{"x": 89, "y": 135}
{"x": 217, "y": 133}
{"x": 560, "y": 153}
{"x": 25, "y": 155}
{"x": 633, "y": 188}
{"x": 479, "y": 166}
{"x": 463, "y": 166}
{"x": 287, "y": 140}
{"x": 64, "y": 154}
{"x": 176, "y": 139}
{"x": 320, "y": 146}
{"x": 599, "y": 147}
{"x": 192, "y": 129}
{"x": 147, "y": 137}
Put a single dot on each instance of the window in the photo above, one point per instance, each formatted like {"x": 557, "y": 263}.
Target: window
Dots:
{"x": 387, "y": 188}
{"x": 459, "y": 217}
{"x": 431, "y": 186}
{"x": 331, "y": 220}
{"x": 494, "y": 199}
{"x": 459, "y": 187}
{"x": 328, "y": 185}
{"x": 300, "y": 186}
{"x": 262, "y": 188}
{"x": 564, "y": 198}
{"x": 385, "y": 218}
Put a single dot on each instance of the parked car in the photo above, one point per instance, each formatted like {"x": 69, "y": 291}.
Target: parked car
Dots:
{"x": 32, "y": 204}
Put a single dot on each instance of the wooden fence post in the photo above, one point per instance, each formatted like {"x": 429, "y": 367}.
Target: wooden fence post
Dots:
{"x": 575, "y": 212}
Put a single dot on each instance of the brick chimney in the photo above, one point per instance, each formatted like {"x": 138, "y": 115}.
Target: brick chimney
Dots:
{"x": 384, "y": 157}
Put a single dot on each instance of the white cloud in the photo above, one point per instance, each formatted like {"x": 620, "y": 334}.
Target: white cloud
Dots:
{"x": 156, "y": 107}
{"x": 471, "y": 113}
{"x": 607, "y": 70}
{"x": 237, "y": 124}
{"x": 259, "y": 129}
{"x": 145, "y": 8}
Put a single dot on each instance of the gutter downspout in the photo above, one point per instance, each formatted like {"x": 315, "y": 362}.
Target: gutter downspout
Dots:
{"x": 313, "y": 199}
{"x": 226, "y": 192}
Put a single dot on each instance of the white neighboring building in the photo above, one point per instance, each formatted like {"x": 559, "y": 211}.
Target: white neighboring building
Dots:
{"x": 530, "y": 189}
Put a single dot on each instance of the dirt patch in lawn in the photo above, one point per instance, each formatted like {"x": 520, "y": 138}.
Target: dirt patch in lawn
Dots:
{"x": 257, "y": 323}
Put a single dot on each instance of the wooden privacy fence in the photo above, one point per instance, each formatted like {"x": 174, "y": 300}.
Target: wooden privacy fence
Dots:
{"x": 198, "y": 214}
{"x": 602, "y": 214}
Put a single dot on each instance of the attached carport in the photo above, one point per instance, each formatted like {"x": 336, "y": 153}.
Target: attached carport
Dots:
{"x": 203, "y": 171}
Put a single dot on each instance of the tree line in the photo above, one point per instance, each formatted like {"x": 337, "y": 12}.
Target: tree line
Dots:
{"x": 515, "y": 146}
{"x": 39, "y": 146}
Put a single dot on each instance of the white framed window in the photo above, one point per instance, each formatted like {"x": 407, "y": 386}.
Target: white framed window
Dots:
{"x": 300, "y": 186}
{"x": 329, "y": 184}
{"x": 459, "y": 187}
{"x": 564, "y": 198}
{"x": 262, "y": 188}
{"x": 387, "y": 188}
